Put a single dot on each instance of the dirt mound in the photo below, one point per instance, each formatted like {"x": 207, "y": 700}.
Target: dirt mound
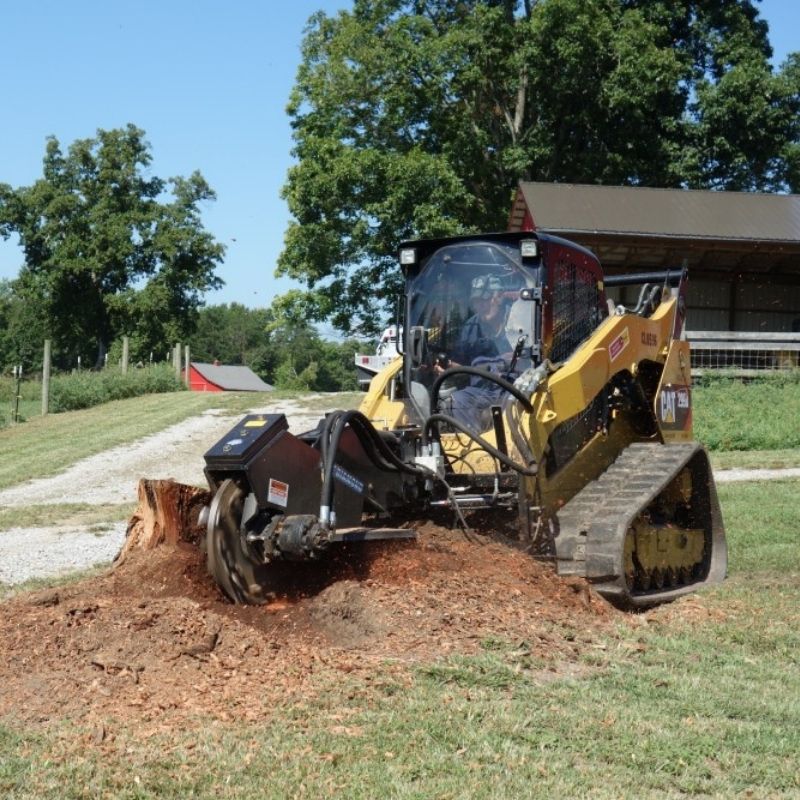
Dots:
{"x": 152, "y": 641}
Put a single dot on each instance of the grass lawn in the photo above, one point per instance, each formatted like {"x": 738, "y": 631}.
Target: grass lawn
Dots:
{"x": 761, "y": 414}
{"x": 700, "y": 698}
{"x": 34, "y": 516}
{"x": 755, "y": 459}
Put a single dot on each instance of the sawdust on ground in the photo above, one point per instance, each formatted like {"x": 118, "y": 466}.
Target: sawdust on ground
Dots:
{"x": 152, "y": 641}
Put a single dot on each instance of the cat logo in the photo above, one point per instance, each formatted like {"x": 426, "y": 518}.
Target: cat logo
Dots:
{"x": 673, "y": 408}
{"x": 668, "y": 402}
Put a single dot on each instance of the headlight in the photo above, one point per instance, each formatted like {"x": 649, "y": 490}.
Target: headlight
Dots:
{"x": 408, "y": 256}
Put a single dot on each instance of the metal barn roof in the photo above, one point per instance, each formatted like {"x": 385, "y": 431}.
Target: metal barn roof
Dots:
{"x": 234, "y": 379}
{"x": 664, "y": 212}
{"x": 628, "y": 226}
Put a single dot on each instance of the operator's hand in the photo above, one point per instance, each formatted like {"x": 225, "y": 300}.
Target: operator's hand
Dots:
{"x": 443, "y": 363}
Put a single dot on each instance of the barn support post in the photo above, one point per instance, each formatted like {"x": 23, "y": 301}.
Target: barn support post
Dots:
{"x": 734, "y": 291}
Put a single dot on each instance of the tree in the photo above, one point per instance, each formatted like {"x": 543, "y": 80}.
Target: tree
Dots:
{"x": 278, "y": 343}
{"x": 108, "y": 249}
{"x": 6, "y": 344}
{"x": 419, "y": 118}
{"x": 227, "y": 332}
{"x": 303, "y": 359}
{"x": 234, "y": 334}
{"x": 22, "y": 333}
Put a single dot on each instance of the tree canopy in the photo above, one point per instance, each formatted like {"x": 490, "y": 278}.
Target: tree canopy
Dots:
{"x": 109, "y": 250}
{"x": 419, "y": 118}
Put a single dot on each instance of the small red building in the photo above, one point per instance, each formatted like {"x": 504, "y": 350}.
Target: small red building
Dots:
{"x": 222, "y": 378}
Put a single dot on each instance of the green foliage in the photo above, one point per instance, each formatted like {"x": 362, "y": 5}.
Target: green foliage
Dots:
{"x": 278, "y": 344}
{"x": 311, "y": 363}
{"x": 420, "y": 118}
{"x": 287, "y": 376}
{"x": 304, "y": 360}
{"x": 6, "y": 345}
{"x": 757, "y": 414}
{"x": 22, "y": 330}
{"x": 232, "y": 334}
{"x": 87, "y": 389}
{"x": 109, "y": 251}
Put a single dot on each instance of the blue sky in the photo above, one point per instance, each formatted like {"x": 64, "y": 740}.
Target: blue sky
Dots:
{"x": 208, "y": 82}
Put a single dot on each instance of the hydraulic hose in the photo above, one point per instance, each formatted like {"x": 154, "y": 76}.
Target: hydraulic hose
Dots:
{"x": 489, "y": 448}
{"x": 375, "y": 448}
{"x": 479, "y": 373}
{"x": 504, "y": 384}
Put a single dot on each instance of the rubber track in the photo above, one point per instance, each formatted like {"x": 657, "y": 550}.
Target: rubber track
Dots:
{"x": 591, "y": 528}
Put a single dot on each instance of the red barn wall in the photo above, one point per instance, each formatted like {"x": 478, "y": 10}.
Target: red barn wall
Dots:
{"x": 197, "y": 383}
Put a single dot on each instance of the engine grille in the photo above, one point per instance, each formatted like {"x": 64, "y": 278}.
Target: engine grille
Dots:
{"x": 575, "y": 308}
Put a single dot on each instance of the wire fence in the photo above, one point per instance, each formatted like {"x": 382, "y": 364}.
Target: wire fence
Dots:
{"x": 743, "y": 352}
{"x": 27, "y": 394}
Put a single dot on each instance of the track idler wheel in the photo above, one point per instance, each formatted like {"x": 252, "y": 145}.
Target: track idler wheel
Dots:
{"x": 230, "y": 561}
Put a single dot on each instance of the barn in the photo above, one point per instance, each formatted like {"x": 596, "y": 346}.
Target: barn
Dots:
{"x": 742, "y": 250}
{"x": 218, "y": 377}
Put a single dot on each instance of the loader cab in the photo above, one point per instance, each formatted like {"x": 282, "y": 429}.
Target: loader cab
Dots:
{"x": 470, "y": 302}
{"x": 501, "y": 301}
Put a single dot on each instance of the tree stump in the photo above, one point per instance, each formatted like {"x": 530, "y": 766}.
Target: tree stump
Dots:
{"x": 167, "y": 513}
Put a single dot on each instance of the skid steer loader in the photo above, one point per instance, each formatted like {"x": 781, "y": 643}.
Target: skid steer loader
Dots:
{"x": 519, "y": 390}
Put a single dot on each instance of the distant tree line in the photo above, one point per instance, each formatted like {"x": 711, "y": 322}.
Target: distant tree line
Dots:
{"x": 112, "y": 251}
{"x": 287, "y": 353}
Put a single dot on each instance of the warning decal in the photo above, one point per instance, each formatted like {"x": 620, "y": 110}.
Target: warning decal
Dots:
{"x": 619, "y": 344}
{"x": 278, "y": 493}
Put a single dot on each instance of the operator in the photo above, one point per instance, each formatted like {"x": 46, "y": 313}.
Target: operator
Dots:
{"x": 482, "y": 343}
{"x": 483, "y": 335}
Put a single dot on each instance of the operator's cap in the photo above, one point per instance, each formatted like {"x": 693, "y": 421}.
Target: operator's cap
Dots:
{"x": 485, "y": 286}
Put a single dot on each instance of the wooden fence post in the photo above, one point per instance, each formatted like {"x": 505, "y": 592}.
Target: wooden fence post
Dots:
{"x": 46, "y": 378}
{"x": 187, "y": 363}
{"x": 125, "y": 349}
{"x": 17, "y": 394}
{"x": 176, "y": 360}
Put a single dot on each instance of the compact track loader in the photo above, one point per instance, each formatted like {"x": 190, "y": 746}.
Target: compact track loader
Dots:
{"x": 520, "y": 389}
